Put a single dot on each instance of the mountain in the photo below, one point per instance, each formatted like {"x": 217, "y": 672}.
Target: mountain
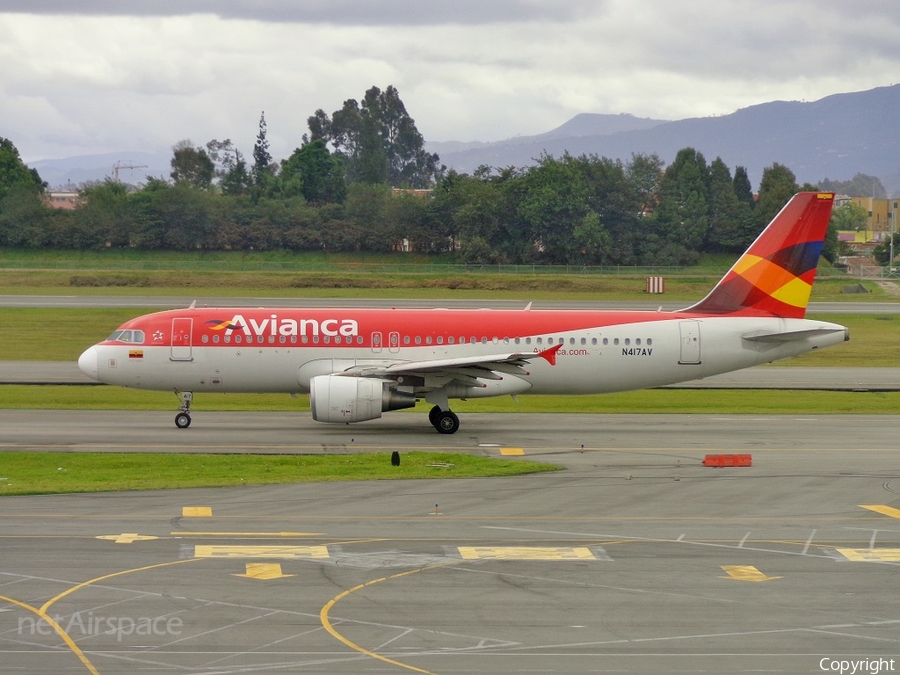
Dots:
{"x": 73, "y": 171}
{"x": 835, "y": 137}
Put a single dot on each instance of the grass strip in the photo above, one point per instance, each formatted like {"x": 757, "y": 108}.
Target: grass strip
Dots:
{"x": 686, "y": 401}
{"x": 31, "y": 473}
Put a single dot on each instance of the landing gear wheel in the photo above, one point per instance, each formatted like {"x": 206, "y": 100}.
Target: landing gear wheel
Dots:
{"x": 433, "y": 414}
{"x": 446, "y": 422}
{"x": 182, "y": 420}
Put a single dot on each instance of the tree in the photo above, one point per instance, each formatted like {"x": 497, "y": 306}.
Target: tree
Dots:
{"x": 378, "y": 139}
{"x": 263, "y": 169}
{"x": 313, "y": 172}
{"x": 725, "y": 222}
{"x": 861, "y": 185}
{"x": 682, "y": 218}
{"x": 849, "y": 216}
{"x": 14, "y": 172}
{"x": 104, "y": 216}
{"x": 191, "y": 166}
{"x": 237, "y": 181}
{"x": 776, "y": 188}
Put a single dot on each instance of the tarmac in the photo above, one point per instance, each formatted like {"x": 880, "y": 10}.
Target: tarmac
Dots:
{"x": 635, "y": 558}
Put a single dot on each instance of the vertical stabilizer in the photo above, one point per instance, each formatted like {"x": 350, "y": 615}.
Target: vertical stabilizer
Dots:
{"x": 775, "y": 276}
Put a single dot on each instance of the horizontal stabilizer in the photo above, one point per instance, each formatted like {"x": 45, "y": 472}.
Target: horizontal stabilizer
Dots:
{"x": 789, "y": 335}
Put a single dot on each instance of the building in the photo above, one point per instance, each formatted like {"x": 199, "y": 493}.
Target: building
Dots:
{"x": 62, "y": 199}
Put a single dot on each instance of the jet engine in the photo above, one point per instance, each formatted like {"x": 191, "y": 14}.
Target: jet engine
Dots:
{"x": 342, "y": 399}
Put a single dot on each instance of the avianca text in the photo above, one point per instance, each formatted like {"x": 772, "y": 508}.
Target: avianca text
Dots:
{"x": 274, "y": 325}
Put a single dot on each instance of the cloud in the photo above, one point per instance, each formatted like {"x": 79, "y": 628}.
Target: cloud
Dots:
{"x": 102, "y": 76}
{"x": 338, "y": 12}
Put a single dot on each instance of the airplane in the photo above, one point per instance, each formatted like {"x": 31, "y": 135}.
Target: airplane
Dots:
{"x": 359, "y": 363}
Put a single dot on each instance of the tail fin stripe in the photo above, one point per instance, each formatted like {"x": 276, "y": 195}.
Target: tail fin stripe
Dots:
{"x": 775, "y": 275}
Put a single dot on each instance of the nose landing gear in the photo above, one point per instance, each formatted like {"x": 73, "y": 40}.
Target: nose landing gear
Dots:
{"x": 183, "y": 418}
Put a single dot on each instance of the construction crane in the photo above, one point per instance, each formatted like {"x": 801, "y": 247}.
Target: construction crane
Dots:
{"x": 119, "y": 165}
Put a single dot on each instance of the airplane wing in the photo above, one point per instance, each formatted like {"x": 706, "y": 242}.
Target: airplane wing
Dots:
{"x": 465, "y": 369}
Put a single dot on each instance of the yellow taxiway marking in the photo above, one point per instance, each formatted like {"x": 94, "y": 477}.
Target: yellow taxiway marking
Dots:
{"x": 185, "y": 533}
{"x": 745, "y": 573}
{"x": 512, "y": 452}
{"x": 880, "y": 508}
{"x": 871, "y": 554}
{"x": 264, "y": 571}
{"x": 126, "y": 537}
{"x": 42, "y": 611}
{"x": 280, "y": 552}
{"x": 196, "y": 512}
{"x": 328, "y": 626}
{"x": 525, "y": 553}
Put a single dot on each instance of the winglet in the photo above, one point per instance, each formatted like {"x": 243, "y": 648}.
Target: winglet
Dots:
{"x": 549, "y": 355}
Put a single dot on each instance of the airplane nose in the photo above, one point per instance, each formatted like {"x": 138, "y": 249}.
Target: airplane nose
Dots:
{"x": 87, "y": 362}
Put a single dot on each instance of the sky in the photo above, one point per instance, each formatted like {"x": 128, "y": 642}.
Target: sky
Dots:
{"x": 80, "y": 77}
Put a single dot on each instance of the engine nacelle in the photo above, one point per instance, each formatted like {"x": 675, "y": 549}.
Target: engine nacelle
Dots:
{"x": 342, "y": 399}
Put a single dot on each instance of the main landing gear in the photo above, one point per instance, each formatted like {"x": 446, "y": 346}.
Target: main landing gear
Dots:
{"x": 183, "y": 419}
{"x": 445, "y": 421}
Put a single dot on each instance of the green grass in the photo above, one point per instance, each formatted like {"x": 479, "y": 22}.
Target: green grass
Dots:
{"x": 28, "y": 473}
{"x": 688, "y": 401}
{"x": 350, "y": 282}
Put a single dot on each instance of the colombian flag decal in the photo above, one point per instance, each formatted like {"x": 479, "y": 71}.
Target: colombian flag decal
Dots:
{"x": 136, "y": 354}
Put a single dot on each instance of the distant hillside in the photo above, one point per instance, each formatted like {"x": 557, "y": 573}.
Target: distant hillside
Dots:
{"x": 73, "y": 171}
{"x": 835, "y": 137}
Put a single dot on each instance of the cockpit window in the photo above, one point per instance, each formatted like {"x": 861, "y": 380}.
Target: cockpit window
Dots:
{"x": 128, "y": 336}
